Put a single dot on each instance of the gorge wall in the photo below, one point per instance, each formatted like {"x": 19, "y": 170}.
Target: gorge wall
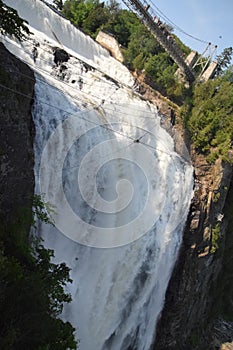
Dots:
{"x": 199, "y": 295}
{"x": 16, "y": 135}
{"x": 199, "y": 289}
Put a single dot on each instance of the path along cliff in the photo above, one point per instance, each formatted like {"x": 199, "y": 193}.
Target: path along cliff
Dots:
{"x": 198, "y": 291}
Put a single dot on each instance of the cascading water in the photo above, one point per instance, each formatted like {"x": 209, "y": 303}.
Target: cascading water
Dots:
{"x": 120, "y": 192}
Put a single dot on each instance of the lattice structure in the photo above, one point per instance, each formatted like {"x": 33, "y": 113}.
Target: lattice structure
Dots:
{"x": 206, "y": 57}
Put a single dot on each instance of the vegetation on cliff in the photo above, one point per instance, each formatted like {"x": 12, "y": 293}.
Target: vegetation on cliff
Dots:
{"x": 210, "y": 118}
{"x": 11, "y": 23}
{"x": 210, "y": 113}
{"x": 142, "y": 52}
{"x": 32, "y": 289}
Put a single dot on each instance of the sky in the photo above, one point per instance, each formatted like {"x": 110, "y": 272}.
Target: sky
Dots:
{"x": 207, "y": 20}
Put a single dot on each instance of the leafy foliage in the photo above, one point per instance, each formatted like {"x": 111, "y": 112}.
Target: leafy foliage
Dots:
{"x": 32, "y": 290}
{"x": 121, "y": 23}
{"x": 41, "y": 209}
{"x": 77, "y": 11}
{"x": 211, "y": 118}
{"x": 215, "y": 234}
{"x": 224, "y": 60}
{"x": 140, "y": 49}
{"x": 95, "y": 18}
{"x": 160, "y": 63}
{"x": 143, "y": 44}
{"x": 11, "y": 23}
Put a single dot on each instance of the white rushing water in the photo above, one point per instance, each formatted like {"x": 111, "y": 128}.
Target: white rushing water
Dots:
{"x": 120, "y": 205}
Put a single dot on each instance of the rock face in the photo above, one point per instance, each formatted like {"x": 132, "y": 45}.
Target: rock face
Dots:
{"x": 200, "y": 292}
{"x": 193, "y": 299}
{"x": 16, "y": 135}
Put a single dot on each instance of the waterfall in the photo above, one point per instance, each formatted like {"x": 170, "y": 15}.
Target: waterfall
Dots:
{"x": 119, "y": 191}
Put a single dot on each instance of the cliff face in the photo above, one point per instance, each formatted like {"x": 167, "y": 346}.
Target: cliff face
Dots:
{"x": 16, "y": 135}
{"x": 194, "y": 305}
{"x": 200, "y": 292}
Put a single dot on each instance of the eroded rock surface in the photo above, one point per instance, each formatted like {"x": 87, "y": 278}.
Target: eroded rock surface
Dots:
{"x": 16, "y": 135}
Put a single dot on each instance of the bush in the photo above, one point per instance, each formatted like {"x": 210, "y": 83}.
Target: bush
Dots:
{"x": 32, "y": 289}
{"x": 215, "y": 236}
{"x": 211, "y": 119}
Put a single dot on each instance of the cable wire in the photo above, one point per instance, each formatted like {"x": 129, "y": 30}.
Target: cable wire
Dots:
{"x": 173, "y": 24}
{"x": 87, "y": 120}
{"x": 70, "y": 86}
{"x": 74, "y": 88}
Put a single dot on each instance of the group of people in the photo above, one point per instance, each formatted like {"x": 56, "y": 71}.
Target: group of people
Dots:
{"x": 163, "y": 28}
{"x": 161, "y": 25}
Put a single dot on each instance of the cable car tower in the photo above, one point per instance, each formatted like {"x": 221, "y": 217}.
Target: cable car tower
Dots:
{"x": 141, "y": 9}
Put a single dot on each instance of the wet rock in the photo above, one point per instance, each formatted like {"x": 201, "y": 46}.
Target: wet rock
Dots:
{"x": 16, "y": 135}
{"x": 60, "y": 56}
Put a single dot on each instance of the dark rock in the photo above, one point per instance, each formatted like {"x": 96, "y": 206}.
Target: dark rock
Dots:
{"x": 60, "y": 56}
{"x": 195, "y": 291}
{"x": 16, "y": 135}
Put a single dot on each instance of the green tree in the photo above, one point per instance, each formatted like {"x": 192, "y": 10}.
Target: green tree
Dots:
{"x": 121, "y": 24}
{"x": 140, "y": 48}
{"x": 78, "y": 10}
{"x": 142, "y": 43}
{"x": 138, "y": 62}
{"x": 211, "y": 118}
{"x": 11, "y": 23}
{"x": 224, "y": 60}
{"x": 96, "y": 17}
{"x": 113, "y": 7}
{"x": 31, "y": 290}
{"x": 185, "y": 49}
{"x": 156, "y": 65}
